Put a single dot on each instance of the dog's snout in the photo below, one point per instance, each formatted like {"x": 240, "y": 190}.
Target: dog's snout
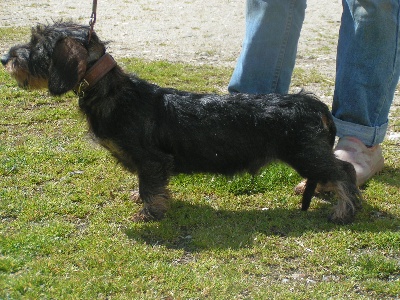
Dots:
{"x": 5, "y": 59}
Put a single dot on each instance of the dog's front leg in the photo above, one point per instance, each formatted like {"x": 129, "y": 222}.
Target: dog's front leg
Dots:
{"x": 153, "y": 180}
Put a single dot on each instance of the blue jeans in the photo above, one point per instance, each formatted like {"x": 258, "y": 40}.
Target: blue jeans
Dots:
{"x": 367, "y": 66}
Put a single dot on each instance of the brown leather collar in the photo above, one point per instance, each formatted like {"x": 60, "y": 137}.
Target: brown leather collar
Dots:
{"x": 104, "y": 65}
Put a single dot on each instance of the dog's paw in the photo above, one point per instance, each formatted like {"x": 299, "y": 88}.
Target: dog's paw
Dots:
{"x": 342, "y": 217}
{"x": 135, "y": 196}
{"x": 149, "y": 213}
{"x": 299, "y": 189}
{"x": 341, "y": 221}
{"x": 142, "y": 217}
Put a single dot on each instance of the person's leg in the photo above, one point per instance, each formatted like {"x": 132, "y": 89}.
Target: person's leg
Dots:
{"x": 268, "y": 55}
{"x": 368, "y": 68}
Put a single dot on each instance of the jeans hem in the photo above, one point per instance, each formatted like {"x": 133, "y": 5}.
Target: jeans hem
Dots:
{"x": 370, "y": 136}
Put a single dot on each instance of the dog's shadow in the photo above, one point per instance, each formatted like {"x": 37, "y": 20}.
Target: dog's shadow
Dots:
{"x": 199, "y": 227}
{"x": 390, "y": 176}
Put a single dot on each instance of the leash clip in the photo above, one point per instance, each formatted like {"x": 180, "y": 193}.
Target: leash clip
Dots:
{"x": 92, "y": 19}
{"x": 80, "y": 90}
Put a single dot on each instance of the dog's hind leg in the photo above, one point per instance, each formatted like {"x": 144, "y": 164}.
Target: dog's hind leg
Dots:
{"x": 341, "y": 176}
{"x": 308, "y": 193}
{"x": 325, "y": 168}
{"x": 349, "y": 196}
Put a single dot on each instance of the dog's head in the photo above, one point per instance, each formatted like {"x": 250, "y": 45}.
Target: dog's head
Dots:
{"x": 56, "y": 57}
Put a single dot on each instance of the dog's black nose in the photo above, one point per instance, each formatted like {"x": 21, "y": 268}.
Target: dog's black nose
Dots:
{"x": 5, "y": 59}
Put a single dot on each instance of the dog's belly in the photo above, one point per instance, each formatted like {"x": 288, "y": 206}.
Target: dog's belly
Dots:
{"x": 221, "y": 163}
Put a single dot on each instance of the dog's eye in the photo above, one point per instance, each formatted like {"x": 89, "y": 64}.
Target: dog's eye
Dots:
{"x": 34, "y": 40}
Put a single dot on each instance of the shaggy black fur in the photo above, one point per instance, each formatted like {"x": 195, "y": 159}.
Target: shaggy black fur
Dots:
{"x": 157, "y": 132}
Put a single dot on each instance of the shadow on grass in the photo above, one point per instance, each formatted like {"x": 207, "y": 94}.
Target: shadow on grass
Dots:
{"x": 200, "y": 227}
{"x": 390, "y": 176}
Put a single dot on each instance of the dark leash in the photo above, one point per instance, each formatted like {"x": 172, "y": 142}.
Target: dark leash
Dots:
{"x": 104, "y": 65}
{"x": 92, "y": 19}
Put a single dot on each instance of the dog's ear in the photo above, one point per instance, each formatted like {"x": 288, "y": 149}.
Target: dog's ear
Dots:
{"x": 67, "y": 67}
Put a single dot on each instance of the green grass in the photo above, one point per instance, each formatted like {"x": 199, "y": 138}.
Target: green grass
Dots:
{"x": 312, "y": 79}
{"x": 13, "y": 35}
{"x": 66, "y": 229}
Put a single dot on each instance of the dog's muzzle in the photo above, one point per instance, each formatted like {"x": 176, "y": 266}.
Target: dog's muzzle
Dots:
{"x": 5, "y": 59}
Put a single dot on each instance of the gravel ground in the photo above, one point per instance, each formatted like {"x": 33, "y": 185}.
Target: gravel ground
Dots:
{"x": 194, "y": 31}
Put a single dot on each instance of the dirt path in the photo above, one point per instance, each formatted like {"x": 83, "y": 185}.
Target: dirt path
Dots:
{"x": 195, "y": 31}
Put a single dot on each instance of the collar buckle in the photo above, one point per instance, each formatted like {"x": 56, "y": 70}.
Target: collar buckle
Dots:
{"x": 104, "y": 65}
{"x": 80, "y": 89}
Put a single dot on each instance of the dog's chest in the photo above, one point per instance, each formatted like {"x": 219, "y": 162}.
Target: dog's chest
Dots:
{"x": 123, "y": 157}
{"x": 111, "y": 146}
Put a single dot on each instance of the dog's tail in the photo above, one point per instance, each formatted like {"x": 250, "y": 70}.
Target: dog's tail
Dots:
{"x": 329, "y": 124}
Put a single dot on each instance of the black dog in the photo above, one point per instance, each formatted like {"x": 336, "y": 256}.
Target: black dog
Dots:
{"x": 157, "y": 132}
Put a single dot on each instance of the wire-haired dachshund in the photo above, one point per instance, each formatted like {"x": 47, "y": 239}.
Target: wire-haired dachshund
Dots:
{"x": 158, "y": 132}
